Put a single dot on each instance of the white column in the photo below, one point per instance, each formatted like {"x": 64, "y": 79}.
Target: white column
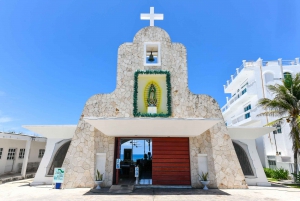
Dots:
{"x": 237, "y": 71}
{"x": 25, "y": 160}
{"x": 260, "y": 61}
{"x": 244, "y": 63}
{"x": 297, "y": 60}
{"x": 231, "y": 77}
{"x": 281, "y": 69}
{"x": 226, "y": 99}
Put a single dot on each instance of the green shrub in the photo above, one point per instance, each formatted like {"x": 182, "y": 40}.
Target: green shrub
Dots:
{"x": 280, "y": 174}
{"x": 268, "y": 172}
{"x": 276, "y": 173}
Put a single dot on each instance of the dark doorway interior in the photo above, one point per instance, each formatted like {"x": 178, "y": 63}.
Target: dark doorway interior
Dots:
{"x": 135, "y": 152}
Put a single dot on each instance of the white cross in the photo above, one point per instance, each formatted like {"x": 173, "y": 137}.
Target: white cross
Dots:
{"x": 151, "y": 16}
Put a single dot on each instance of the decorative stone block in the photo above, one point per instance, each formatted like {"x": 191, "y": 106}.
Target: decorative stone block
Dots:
{"x": 152, "y": 110}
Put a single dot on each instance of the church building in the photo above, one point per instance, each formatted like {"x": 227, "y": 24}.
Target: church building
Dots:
{"x": 181, "y": 134}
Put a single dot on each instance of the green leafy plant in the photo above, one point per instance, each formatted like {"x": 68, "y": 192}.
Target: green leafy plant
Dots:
{"x": 135, "y": 94}
{"x": 280, "y": 174}
{"x": 268, "y": 172}
{"x": 276, "y": 173}
{"x": 285, "y": 106}
{"x": 99, "y": 177}
{"x": 203, "y": 176}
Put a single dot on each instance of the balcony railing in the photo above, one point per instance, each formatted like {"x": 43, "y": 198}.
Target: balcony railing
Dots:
{"x": 280, "y": 62}
{"x": 237, "y": 96}
{"x": 238, "y": 70}
{"x": 241, "y": 117}
{"x": 263, "y": 63}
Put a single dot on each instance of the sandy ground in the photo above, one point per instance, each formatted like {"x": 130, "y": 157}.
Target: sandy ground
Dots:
{"x": 20, "y": 190}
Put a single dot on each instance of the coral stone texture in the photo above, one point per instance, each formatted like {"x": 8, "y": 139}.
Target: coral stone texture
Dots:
{"x": 223, "y": 165}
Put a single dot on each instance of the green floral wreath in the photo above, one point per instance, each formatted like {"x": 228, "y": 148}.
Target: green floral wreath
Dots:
{"x": 135, "y": 94}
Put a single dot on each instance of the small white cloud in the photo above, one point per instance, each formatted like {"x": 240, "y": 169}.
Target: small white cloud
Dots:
{"x": 5, "y": 119}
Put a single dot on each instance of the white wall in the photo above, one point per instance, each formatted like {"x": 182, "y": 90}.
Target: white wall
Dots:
{"x": 260, "y": 147}
{"x": 18, "y": 144}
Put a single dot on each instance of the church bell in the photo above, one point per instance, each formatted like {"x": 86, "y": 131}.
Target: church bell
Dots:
{"x": 151, "y": 58}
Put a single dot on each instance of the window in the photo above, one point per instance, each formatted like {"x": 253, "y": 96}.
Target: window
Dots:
{"x": 1, "y": 150}
{"x": 247, "y": 115}
{"x": 272, "y": 164}
{"x": 248, "y": 107}
{"x": 22, "y": 153}
{"x": 244, "y": 91}
{"x": 41, "y": 153}
{"x": 287, "y": 75}
{"x": 278, "y": 129}
{"x": 11, "y": 154}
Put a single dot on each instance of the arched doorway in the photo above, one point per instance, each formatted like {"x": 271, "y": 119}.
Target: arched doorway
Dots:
{"x": 243, "y": 159}
{"x": 59, "y": 157}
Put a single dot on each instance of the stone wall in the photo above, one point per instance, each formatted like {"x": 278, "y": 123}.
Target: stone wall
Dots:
{"x": 224, "y": 168}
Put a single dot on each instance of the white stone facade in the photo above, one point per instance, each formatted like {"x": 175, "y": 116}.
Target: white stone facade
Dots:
{"x": 224, "y": 168}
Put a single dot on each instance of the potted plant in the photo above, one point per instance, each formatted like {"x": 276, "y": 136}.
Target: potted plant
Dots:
{"x": 204, "y": 180}
{"x": 99, "y": 179}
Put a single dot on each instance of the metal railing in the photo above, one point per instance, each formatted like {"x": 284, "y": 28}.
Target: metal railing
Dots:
{"x": 241, "y": 117}
{"x": 264, "y": 63}
{"x": 239, "y": 69}
{"x": 237, "y": 96}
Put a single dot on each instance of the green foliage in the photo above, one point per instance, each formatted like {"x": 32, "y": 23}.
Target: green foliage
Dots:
{"x": 135, "y": 94}
{"x": 203, "y": 176}
{"x": 297, "y": 177}
{"x": 268, "y": 172}
{"x": 276, "y": 173}
{"x": 99, "y": 177}
{"x": 286, "y": 106}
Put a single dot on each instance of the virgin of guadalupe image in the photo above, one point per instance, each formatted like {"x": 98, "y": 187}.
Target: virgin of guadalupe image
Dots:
{"x": 152, "y": 100}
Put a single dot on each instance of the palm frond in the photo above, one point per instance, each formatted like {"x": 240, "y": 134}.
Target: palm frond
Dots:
{"x": 277, "y": 121}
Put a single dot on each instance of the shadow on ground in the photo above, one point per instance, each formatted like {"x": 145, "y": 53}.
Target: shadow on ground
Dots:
{"x": 153, "y": 191}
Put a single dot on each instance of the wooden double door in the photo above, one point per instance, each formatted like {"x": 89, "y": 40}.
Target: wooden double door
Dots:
{"x": 170, "y": 161}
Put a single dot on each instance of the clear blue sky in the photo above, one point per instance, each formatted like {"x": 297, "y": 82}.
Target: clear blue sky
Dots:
{"x": 55, "y": 54}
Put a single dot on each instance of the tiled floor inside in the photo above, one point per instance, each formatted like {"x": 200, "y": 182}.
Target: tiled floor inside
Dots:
{"x": 145, "y": 182}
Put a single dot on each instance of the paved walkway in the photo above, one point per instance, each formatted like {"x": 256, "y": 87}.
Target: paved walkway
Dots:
{"x": 20, "y": 190}
{"x": 15, "y": 176}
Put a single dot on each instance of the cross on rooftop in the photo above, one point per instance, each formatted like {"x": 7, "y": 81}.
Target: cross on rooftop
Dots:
{"x": 151, "y": 16}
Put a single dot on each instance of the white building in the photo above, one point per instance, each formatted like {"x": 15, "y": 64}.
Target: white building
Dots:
{"x": 58, "y": 141}
{"x": 246, "y": 87}
{"x": 20, "y": 153}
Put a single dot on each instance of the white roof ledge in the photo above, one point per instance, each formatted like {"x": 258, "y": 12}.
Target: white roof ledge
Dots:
{"x": 244, "y": 132}
{"x": 53, "y": 131}
{"x": 151, "y": 127}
